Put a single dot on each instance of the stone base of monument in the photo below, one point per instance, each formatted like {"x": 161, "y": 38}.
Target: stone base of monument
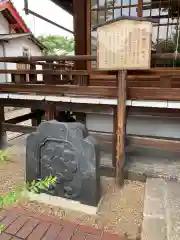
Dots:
{"x": 63, "y": 203}
{"x": 65, "y": 151}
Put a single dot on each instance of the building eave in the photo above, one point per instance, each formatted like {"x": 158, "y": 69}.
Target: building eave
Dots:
{"x": 8, "y": 6}
{"x": 8, "y": 37}
{"x": 66, "y": 5}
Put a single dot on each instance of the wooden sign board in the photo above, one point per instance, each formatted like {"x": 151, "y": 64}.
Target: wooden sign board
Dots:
{"x": 125, "y": 44}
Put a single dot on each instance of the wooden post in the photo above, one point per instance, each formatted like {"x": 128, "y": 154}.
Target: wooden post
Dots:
{"x": 50, "y": 112}
{"x": 121, "y": 125}
{"x": 114, "y": 140}
{"x": 140, "y": 8}
{"x": 80, "y": 117}
{"x": 33, "y": 79}
{"x": 48, "y": 79}
{"x": 38, "y": 117}
{"x": 3, "y": 138}
{"x": 80, "y": 32}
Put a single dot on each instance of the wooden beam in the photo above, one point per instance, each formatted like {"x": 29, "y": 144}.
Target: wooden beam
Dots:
{"x": 24, "y": 59}
{"x": 23, "y": 103}
{"x": 154, "y": 143}
{"x": 47, "y": 20}
{"x": 45, "y": 71}
{"x": 121, "y": 125}
{"x": 133, "y": 93}
{"x": 153, "y": 93}
{"x": 18, "y": 128}
{"x": 153, "y": 112}
{"x": 21, "y": 118}
{"x": 139, "y": 141}
{"x": 65, "y": 106}
{"x": 81, "y": 57}
{"x": 60, "y": 90}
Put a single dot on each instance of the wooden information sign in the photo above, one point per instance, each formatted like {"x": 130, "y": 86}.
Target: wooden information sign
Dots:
{"x": 124, "y": 44}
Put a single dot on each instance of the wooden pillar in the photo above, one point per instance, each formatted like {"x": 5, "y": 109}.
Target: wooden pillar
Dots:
{"x": 80, "y": 30}
{"x": 81, "y": 11}
{"x": 48, "y": 79}
{"x": 121, "y": 125}
{"x": 114, "y": 140}
{"x": 33, "y": 79}
{"x": 81, "y": 117}
{"x": 140, "y": 8}
{"x": 50, "y": 112}
{"x": 3, "y": 137}
{"x": 88, "y": 32}
{"x": 38, "y": 117}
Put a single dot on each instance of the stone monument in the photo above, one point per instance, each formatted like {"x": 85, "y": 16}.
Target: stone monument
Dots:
{"x": 65, "y": 150}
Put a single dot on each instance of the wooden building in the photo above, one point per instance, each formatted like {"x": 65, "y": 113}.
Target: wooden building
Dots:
{"x": 148, "y": 113}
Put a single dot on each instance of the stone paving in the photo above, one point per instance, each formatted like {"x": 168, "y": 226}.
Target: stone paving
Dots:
{"x": 161, "y": 210}
{"x": 141, "y": 167}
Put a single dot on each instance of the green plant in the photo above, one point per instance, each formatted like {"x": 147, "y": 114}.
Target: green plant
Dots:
{"x": 4, "y": 155}
{"x": 35, "y": 187}
{"x": 16, "y": 195}
{"x": 2, "y": 228}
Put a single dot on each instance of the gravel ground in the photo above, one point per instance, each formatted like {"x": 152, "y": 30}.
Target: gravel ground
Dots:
{"x": 120, "y": 212}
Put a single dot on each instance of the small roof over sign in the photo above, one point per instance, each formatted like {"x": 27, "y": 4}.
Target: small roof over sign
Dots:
{"x": 125, "y": 18}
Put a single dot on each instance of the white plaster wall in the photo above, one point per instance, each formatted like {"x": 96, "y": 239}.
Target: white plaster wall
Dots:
{"x": 15, "y": 48}
{"x": 4, "y": 29}
{"x": 154, "y": 127}
{"x": 99, "y": 122}
{"x": 136, "y": 125}
{"x": 2, "y": 76}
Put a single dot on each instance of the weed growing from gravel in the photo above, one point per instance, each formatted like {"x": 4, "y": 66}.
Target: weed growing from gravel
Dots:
{"x": 4, "y": 155}
{"x": 14, "y": 196}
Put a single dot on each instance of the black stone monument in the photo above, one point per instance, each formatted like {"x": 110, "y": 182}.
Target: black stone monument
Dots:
{"x": 65, "y": 150}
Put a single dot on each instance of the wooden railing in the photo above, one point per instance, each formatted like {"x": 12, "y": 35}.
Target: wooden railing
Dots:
{"x": 60, "y": 77}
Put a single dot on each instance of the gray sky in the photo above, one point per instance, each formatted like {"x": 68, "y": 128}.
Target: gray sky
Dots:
{"x": 48, "y": 10}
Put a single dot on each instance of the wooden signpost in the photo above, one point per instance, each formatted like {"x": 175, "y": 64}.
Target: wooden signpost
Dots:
{"x": 123, "y": 44}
